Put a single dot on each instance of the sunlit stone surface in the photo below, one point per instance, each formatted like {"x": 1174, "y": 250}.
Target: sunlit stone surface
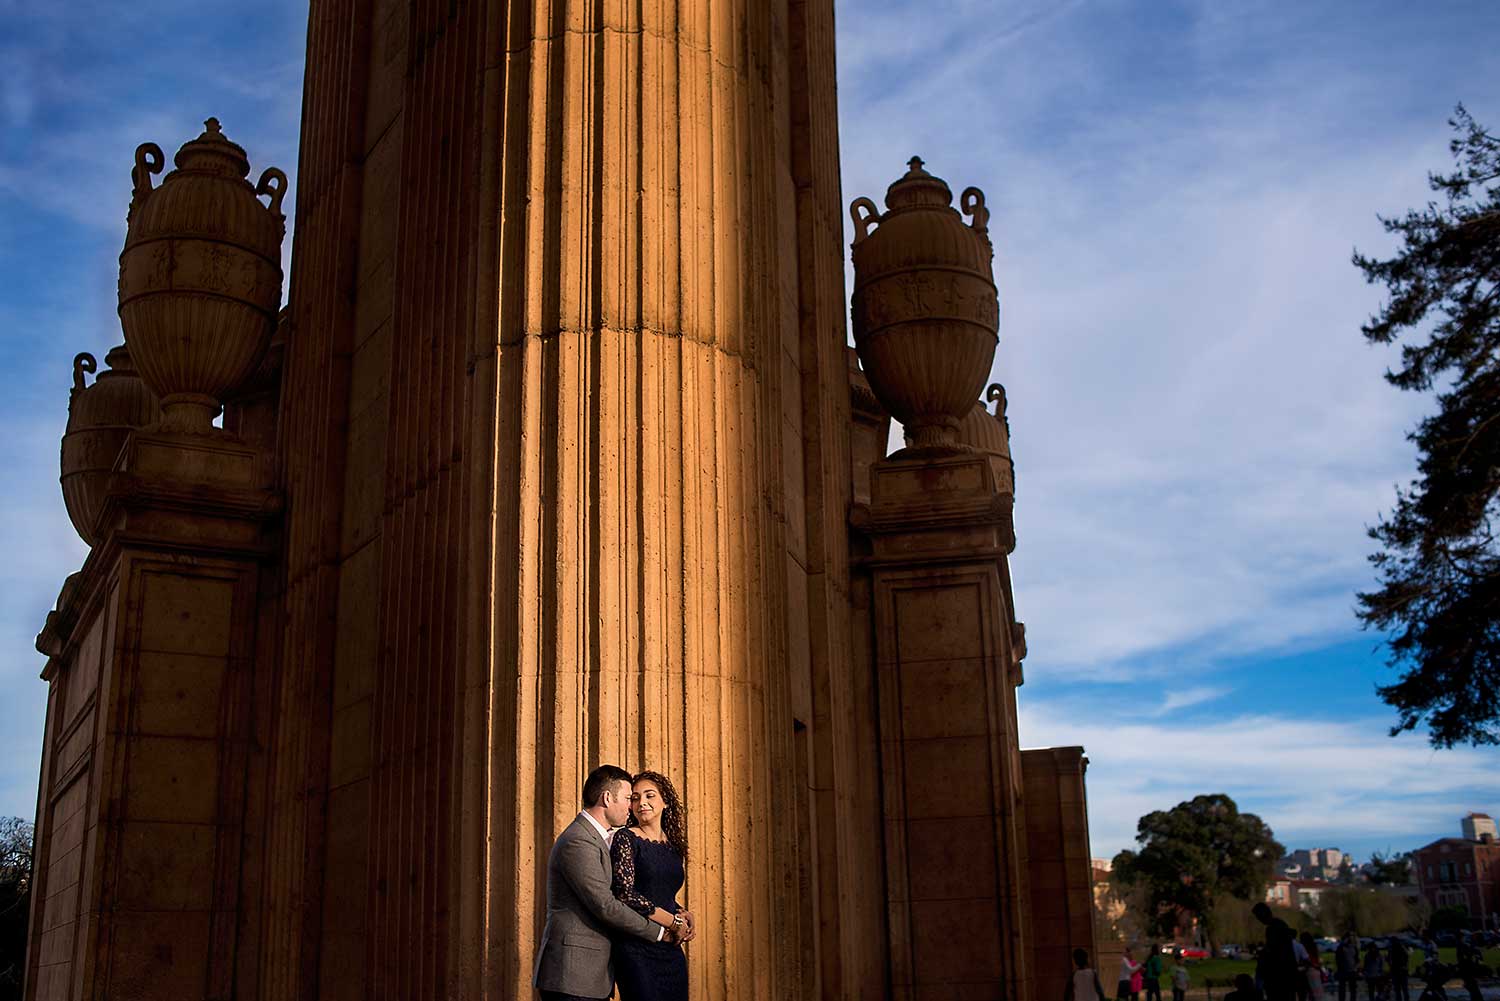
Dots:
{"x": 557, "y": 456}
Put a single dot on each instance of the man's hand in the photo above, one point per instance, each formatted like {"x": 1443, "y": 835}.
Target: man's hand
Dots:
{"x": 681, "y": 933}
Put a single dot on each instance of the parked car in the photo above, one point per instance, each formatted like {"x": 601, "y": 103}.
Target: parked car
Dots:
{"x": 1327, "y": 944}
{"x": 1230, "y": 951}
{"x": 1194, "y": 952}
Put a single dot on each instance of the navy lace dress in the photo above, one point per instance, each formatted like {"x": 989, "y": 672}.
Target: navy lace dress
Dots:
{"x": 647, "y": 875}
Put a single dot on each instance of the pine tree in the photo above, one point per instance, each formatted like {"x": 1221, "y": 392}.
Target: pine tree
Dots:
{"x": 1439, "y": 567}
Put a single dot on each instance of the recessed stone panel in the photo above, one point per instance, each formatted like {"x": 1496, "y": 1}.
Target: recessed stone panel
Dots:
{"x": 950, "y": 858}
{"x": 937, "y": 623}
{"x": 948, "y": 778}
{"x": 944, "y": 698}
{"x": 956, "y": 942}
{"x": 185, "y": 614}
{"x": 177, "y": 695}
{"x": 171, "y": 779}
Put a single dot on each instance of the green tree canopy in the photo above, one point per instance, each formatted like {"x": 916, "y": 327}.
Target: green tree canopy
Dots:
{"x": 1193, "y": 856}
{"x": 1393, "y": 871}
{"x": 1438, "y": 566}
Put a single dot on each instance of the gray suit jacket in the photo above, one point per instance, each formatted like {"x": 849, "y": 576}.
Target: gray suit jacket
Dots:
{"x": 574, "y": 955}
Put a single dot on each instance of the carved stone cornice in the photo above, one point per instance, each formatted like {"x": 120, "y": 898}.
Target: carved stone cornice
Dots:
{"x": 935, "y": 510}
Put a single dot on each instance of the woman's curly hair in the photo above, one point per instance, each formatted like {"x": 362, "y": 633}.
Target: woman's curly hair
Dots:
{"x": 673, "y": 823}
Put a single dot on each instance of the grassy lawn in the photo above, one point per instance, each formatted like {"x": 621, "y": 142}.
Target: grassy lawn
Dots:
{"x": 1222, "y": 971}
{"x": 1217, "y": 970}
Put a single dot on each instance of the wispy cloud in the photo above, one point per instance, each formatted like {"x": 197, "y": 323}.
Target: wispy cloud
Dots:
{"x": 1315, "y": 781}
{"x": 1183, "y": 698}
{"x": 86, "y": 83}
{"x": 1201, "y": 434}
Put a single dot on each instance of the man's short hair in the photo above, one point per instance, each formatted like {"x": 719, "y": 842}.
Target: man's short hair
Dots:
{"x": 1080, "y": 958}
{"x": 1262, "y": 910}
{"x": 599, "y": 780}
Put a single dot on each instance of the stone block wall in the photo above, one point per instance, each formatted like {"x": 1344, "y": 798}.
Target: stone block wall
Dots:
{"x": 1061, "y": 879}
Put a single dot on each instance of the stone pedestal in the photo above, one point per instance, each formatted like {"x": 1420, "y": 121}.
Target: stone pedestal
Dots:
{"x": 938, "y": 532}
{"x": 141, "y": 883}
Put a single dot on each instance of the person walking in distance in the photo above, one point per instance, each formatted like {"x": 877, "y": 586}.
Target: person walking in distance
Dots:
{"x": 1244, "y": 989}
{"x": 1468, "y": 966}
{"x": 1374, "y": 972}
{"x": 1300, "y": 954}
{"x": 1151, "y": 973}
{"x": 1399, "y": 959}
{"x": 1346, "y": 967}
{"x": 1180, "y": 981}
{"x": 1314, "y": 968}
{"x": 1128, "y": 969}
{"x": 1276, "y": 966}
{"x": 1084, "y": 985}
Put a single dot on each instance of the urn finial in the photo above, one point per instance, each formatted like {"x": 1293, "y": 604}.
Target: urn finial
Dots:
{"x": 101, "y": 416}
{"x": 925, "y": 310}
{"x": 200, "y": 275}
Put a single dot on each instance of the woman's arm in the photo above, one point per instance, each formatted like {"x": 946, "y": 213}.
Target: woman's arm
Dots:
{"x": 622, "y": 863}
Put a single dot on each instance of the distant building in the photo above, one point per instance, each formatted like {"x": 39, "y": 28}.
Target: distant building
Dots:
{"x": 1459, "y": 872}
{"x": 1477, "y": 825}
{"x": 1307, "y": 892}
{"x": 1311, "y": 863}
{"x": 1280, "y": 893}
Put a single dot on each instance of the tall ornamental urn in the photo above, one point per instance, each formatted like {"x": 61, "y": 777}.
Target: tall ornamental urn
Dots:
{"x": 101, "y": 417}
{"x": 200, "y": 275}
{"x": 925, "y": 310}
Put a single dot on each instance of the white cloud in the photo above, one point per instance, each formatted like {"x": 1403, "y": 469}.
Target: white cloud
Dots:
{"x": 1314, "y": 781}
{"x": 1183, "y": 698}
{"x": 1201, "y": 433}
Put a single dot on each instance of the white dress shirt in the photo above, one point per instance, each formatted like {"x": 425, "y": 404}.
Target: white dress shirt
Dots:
{"x": 607, "y": 833}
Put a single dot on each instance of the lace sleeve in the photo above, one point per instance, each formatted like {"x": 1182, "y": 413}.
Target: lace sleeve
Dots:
{"x": 622, "y": 859}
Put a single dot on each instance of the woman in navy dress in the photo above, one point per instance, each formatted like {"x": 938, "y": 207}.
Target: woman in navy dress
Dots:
{"x": 648, "y": 856}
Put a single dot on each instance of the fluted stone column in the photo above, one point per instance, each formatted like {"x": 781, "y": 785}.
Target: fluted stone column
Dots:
{"x": 637, "y": 508}
{"x": 567, "y": 295}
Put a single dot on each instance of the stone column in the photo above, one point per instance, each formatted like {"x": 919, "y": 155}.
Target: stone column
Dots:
{"x": 934, "y": 540}
{"x": 1059, "y": 870}
{"x": 955, "y": 840}
{"x": 636, "y": 585}
{"x": 150, "y": 743}
{"x": 549, "y": 321}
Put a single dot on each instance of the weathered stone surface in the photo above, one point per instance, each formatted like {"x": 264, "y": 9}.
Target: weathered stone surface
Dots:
{"x": 924, "y": 307}
{"x": 200, "y": 275}
{"x": 557, "y": 456}
{"x": 100, "y": 419}
{"x": 1061, "y": 908}
{"x": 142, "y": 825}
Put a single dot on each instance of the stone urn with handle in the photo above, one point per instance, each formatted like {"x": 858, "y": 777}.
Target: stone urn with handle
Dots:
{"x": 925, "y": 310}
{"x": 200, "y": 275}
{"x": 101, "y": 417}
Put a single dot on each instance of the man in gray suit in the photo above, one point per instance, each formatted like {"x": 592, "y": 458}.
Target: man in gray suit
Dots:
{"x": 573, "y": 960}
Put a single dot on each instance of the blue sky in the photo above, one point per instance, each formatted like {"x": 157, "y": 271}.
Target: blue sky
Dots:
{"x": 1201, "y": 434}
